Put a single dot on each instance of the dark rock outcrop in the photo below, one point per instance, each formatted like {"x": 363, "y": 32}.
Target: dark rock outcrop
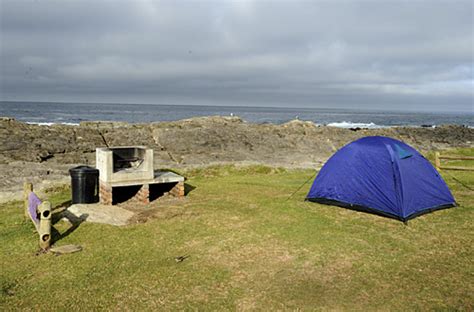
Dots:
{"x": 42, "y": 154}
{"x": 200, "y": 141}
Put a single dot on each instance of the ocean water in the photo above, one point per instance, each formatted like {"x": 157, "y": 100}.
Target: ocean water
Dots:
{"x": 74, "y": 113}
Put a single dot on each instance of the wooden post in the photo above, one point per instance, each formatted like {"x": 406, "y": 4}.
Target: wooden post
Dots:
{"x": 44, "y": 229}
{"x": 27, "y": 189}
{"x": 437, "y": 162}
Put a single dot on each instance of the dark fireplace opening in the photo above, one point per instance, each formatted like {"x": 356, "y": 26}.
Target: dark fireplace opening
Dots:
{"x": 127, "y": 158}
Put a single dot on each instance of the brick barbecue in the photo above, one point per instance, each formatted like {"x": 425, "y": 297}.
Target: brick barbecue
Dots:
{"x": 131, "y": 168}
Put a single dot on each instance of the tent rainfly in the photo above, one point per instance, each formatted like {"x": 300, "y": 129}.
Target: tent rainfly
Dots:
{"x": 383, "y": 176}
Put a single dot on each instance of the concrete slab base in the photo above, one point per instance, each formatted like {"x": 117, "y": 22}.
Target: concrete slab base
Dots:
{"x": 99, "y": 213}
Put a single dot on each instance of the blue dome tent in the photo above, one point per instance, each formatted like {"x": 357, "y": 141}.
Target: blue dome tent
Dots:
{"x": 383, "y": 176}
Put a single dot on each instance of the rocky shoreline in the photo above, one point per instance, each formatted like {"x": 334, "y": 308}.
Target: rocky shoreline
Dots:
{"x": 43, "y": 154}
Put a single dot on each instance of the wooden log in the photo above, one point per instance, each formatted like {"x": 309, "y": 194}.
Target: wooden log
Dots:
{"x": 437, "y": 162}
{"x": 27, "y": 189}
{"x": 457, "y": 168}
{"x": 457, "y": 157}
{"x": 44, "y": 229}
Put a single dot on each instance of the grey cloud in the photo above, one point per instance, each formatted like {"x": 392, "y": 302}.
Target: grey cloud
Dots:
{"x": 371, "y": 54}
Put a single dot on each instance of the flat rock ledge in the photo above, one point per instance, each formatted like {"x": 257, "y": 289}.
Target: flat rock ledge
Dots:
{"x": 98, "y": 213}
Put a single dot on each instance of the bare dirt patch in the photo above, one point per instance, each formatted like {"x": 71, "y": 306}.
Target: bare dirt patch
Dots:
{"x": 165, "y": 207}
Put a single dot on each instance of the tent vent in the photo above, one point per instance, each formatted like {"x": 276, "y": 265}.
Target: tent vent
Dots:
{"x": 402, "y": 153}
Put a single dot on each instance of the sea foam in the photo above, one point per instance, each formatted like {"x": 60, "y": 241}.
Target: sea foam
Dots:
{"x": 52, "y": 123}
{"x": 348, "y": 124}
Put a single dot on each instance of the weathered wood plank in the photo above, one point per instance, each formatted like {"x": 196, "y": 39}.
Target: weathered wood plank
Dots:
{"x": 27, "y": 189}
{"x": 456, "y": 168}
{"x": 44, "y": 229}
{"x": 456, "y": 157}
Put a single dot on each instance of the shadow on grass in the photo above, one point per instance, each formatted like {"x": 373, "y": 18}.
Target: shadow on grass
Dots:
{"x": 188, "y": 188}
{"x": 73, "y": 220}
{"x": 63, "y": 205}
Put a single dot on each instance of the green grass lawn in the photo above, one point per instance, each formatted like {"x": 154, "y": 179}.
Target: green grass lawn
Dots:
{"x": 249, "y": 248}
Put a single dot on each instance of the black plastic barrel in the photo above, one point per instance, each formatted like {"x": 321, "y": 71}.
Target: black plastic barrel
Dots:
{"x": 84, "y": 185}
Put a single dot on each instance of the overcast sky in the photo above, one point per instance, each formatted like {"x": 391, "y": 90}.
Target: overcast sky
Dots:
{"x": 395, "y": 55}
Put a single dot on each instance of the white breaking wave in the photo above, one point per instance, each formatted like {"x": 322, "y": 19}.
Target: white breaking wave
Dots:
{"x": 52, "y": 123}
{"x": 348, "y": 124}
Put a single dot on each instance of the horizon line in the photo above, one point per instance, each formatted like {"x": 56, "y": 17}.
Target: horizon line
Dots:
{"x": 244, "y": 106}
